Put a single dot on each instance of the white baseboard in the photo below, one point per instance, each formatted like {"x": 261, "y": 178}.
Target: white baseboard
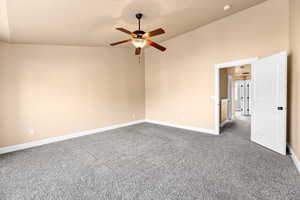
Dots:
{"x": 94, "y": 131}
{"x": 294, "y": 158}
{"x": 64, "y": 137}
{"x": 202, "y": 130}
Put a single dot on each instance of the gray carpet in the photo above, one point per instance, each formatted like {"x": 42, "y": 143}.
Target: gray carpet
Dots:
{"x": 148, "y": 161}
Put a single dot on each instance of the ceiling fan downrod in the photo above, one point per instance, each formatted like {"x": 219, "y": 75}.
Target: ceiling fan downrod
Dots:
{"x": 139, "y": 17}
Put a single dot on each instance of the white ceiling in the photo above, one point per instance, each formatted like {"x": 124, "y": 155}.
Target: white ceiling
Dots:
{"x": 92, "y": 22}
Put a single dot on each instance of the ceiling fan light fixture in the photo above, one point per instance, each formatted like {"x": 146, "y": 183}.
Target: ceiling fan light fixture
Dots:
{"x": 139, "y": 42}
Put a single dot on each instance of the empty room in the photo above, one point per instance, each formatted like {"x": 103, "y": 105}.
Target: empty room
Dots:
{"x": 150, "y": 99}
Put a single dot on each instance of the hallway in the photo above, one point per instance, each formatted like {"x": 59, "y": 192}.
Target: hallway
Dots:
{"x": 240, "y": 127}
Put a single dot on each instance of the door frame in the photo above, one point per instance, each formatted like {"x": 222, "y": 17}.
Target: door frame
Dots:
{"x": 248, "y": 61}
{"x": 229, "y": 97}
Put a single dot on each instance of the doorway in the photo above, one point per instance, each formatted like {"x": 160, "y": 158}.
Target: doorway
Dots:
{"x": 220, "y": 94}
{"x": 260, "y": 96}
{"x": 235, "y": 95}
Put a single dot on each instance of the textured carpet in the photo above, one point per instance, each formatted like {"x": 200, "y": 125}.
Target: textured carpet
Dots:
{"x": 148, "y": 161}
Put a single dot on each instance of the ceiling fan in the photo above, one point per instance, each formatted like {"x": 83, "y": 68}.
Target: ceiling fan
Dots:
{"x": 140, "y": 38}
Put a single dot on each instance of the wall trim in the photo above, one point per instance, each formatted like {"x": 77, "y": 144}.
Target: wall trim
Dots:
{"x": 28, "y": 145}
{"x": 236, "y": 63}
{"x": 64, "y": 137}
{"x": 191, "y": 128}
{"x": 294, "y": 158}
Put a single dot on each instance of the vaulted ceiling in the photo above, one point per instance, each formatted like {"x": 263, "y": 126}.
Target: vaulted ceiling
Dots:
{"x": 92, "y": 22}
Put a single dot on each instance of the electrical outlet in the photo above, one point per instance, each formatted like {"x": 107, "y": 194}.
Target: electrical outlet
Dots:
{"x": 182, "y": 118}
{"x": 133, "y": 116}
{"x": 31, "y": 132}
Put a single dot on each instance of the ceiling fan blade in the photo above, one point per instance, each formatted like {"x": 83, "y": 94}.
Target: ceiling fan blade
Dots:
{"x": 125, "y": 31}
{"x": 155, "y": 45}
{"x": 138, "y": 51}
{"x": 154, "y": 33}
{"x": 124, "y": 41}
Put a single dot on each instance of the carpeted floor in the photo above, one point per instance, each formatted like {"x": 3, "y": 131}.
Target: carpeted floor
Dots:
{"x": 148, "y": 161}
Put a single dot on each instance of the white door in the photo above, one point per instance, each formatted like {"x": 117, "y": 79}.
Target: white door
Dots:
{"x": 247, "y": 97}
{"x": 269, "y": 87}
{"x": 238, "y": 96}
{"x": 242, "y": 100}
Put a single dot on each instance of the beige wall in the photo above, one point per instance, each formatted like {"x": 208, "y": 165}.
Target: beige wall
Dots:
{"x": 224, "y": 93}
{"x": 294, "y": 97}
{"x": 223, "y": 83}
{"x": 180, "y": 82}
{"x": 57, "y": 90}
{"x": 224, "y": 111}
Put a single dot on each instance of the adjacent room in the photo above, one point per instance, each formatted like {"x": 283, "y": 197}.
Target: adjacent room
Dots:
{"x": 235, "y": 100}
{"x": 149, "y": 99}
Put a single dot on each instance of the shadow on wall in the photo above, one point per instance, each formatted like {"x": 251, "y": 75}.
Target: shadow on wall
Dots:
{"x": 12, "y": 95}
{"x": 150, "y": 9}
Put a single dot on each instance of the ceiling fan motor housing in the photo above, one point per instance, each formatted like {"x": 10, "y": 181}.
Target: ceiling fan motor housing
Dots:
{"x": 139, "y": 33}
